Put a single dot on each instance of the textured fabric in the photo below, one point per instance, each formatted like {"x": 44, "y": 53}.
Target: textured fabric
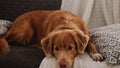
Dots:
{"x": 4, "y": 25}
{"x": 107, "y": 41}
{"x": 81, "y": 8}
{"x": 83, "y": 61}
{"x": 95, "y": 13}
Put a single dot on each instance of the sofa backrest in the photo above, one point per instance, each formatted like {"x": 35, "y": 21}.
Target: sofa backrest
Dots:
{"x": 10, "y": 9}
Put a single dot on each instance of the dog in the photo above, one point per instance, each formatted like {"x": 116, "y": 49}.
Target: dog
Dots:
{"x": 59, "y": 33}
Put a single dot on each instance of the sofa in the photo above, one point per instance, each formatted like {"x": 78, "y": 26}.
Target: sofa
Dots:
{"x": 21, "y": 56}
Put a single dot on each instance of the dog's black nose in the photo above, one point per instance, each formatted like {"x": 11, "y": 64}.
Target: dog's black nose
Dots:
{"x": 63, "y": 66}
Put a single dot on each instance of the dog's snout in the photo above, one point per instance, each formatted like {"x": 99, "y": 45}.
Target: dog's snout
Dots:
{"x": 63, "y": 63}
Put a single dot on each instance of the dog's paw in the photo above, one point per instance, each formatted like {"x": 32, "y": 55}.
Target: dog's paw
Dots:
{"x": 96, "y": 56}
{"x": 4, "y": 49}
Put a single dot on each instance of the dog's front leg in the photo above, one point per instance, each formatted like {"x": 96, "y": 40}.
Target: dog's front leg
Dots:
{"x": 91, "y": 49}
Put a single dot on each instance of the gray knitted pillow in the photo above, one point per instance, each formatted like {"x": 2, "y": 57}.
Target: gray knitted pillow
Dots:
{"x": 4, "y": 25}
{"x": 107, "y": 41}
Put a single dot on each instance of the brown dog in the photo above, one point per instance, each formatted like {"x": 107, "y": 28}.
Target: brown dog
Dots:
{"x": 59, "y": 33}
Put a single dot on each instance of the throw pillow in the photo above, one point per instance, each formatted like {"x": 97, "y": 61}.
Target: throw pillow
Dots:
{"x": 4, "y": 25}
{"x": 107, "y": 41}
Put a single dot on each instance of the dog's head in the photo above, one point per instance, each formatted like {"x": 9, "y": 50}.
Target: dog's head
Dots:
{"x": 64, "y": 46}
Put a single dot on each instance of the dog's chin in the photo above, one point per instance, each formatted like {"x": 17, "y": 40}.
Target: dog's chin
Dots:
{"x": 65, "y": 67}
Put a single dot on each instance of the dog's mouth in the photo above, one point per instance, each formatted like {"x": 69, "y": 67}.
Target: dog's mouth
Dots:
{"x": 64, "y": 66}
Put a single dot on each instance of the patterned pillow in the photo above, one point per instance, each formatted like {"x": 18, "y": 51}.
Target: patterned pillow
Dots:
{"x": 107, "y": 41}
{"x": 4, "y": 25}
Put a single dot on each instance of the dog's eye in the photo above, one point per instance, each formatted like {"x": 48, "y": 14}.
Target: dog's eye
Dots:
{"x": 70, "y": 48}
{"x": 56, "y": 48}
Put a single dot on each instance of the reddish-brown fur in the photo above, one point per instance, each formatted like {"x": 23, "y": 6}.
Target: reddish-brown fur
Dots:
{"x": 59, "y": 33}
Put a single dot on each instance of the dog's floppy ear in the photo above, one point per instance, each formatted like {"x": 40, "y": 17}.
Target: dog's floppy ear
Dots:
{"x": 47, "y": 46}
{"x": 82, "y": 41}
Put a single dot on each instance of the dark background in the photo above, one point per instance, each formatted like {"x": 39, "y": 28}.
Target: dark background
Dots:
{"x": 10, "y": 9}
